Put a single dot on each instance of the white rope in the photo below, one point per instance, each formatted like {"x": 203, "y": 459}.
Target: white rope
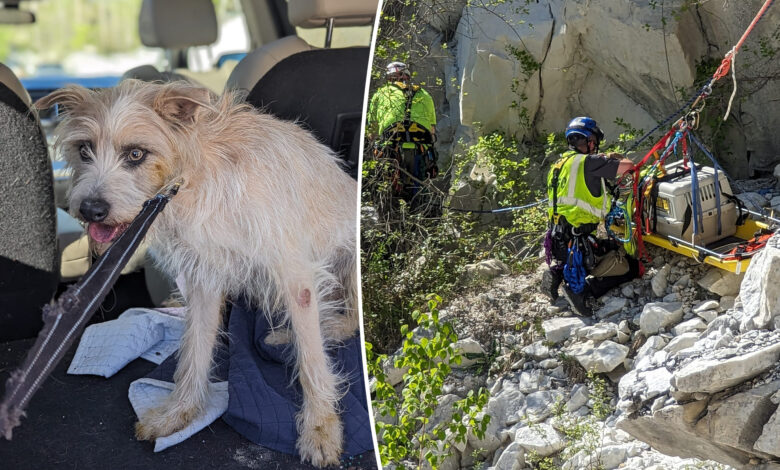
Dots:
{"x": 733, "y": 54}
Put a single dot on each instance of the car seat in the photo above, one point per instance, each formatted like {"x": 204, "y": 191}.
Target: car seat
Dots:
{"x": 173, "y": 25}
{"x": 321, "y": 88}
{"x": 29, "y": 263}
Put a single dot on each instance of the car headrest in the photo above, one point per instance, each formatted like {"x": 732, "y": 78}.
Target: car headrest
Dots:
{"x": 176, "y": 24}
{"x": 316, "y": 13}
{"x": 8, "y": 78}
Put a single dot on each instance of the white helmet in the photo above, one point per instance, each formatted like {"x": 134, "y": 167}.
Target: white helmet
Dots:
{"x": 394, "y": 68}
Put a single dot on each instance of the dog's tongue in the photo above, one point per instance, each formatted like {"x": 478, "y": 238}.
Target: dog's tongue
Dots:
{"x": 103, "y": 233}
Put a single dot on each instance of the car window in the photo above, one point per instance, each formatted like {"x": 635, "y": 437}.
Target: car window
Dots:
{"x": 343, "y": 36}
{"x": 77, "y": 38}
{"x": 232, "y": 42}
{"x": 86, "y": 38}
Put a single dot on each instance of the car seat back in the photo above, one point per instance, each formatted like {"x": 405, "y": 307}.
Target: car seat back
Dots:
{"x": 321, "y": 88}
{"x": 29, "y": 264}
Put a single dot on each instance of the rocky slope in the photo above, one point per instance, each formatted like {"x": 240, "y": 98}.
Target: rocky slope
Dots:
{"x": 689, "y": 351}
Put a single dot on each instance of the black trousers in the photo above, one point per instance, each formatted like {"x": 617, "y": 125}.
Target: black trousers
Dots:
{"x": 595, "y": 286}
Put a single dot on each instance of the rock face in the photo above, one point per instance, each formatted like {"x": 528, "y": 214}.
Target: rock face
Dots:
{"x": 715, "y": 393}
{"x": 760, "y": 291}
{"x": 529, "y": 70}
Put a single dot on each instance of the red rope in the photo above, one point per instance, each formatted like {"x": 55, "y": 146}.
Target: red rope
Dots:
{"x": 723, "y": 69}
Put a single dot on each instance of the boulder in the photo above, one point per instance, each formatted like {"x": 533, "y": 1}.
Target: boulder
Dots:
{"x": 602, "y": 358}
{"x": 658, "y": 283}
{"x": 537, "y": 351}
{"x": 598, "y": 332}
{"x": 512, "y": 458}
{"x": 739, "y": 420}
{"x": 669, "y": 433}
{"x": 612, "y": 306}
{"x": 471, "y": 352}
{"x": 680, "y": 342}
{"x": 694, "y": 324}
{"x": 752, "y": 201}
{"x": 760, "y": 291}
{"x": 557, "y": 330}
{"x": 539, "y": 405}
{"x": 721, "y": 282}
{"x": 486, "y": 270}
{"x": 768, "y": 442}
{"x": 713, "y": 375}
{"x": 657, "y": 315}
{"x": 540, "y": 438}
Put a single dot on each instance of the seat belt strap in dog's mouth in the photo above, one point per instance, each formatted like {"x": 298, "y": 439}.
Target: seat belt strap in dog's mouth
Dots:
{"x": 65, "y": 319}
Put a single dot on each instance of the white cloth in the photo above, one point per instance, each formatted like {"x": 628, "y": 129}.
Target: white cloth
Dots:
{"x": 146, "y": 394}
{"x": 107, "y": 347}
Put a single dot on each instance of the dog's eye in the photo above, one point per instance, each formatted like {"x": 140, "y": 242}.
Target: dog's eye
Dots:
{"x": 136, "y": 155}
{"x": 85, "y": 151}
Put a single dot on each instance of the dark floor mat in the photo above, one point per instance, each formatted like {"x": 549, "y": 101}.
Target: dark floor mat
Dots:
{"x": 85, "y": 422}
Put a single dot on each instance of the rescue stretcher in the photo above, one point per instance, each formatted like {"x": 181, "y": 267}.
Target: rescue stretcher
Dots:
{"x": 727, "y": 234}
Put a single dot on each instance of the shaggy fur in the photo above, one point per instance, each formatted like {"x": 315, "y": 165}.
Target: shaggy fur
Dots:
{"x": 265, "y": 211}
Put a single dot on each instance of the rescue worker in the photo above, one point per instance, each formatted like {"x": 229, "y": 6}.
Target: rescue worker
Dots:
{"x": 402, "y": 117}
{"x": 578, "y": 203}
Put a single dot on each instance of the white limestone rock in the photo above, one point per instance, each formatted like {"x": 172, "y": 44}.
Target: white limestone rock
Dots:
{"x": 598, "y": 332}
{"x": 579, "y": 397}
{"x": 680, "y": 342}
{"x": 708, "y": 315}
{"x": 512, "y": 458}
{"x": 753, "y": 201}
{"x": 694, "y": 324}
{"x": 560, "y": 329}
{"x": 659, "y": 281}
{"x": 713, "y": 375}
{"x": 612, "y": 306}
{"x": 705, "y": 305}
{"x": 721, "y": 282}
{"x": 760, "y": 291}
{"x": 537, "y": 351}
{"x": 657, "y": 315}
{"x": 486, "y": 270}
{"x": 471, "y": 352}
{"x": 539, "y": 405}
{"x": 602, "y": 358}
{"x": 540, "y": 438}
{"x": 768, "y": 440}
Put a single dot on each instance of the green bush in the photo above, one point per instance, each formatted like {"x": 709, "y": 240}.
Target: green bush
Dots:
{"x": 408, "y": 252}
{"x": 428, "y": 362}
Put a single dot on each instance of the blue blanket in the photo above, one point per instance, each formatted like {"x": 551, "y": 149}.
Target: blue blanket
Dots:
{"x": 263, "y": 403}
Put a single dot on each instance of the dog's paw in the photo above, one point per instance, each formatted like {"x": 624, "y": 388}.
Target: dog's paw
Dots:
{"x": 163, "y": 421}
{"x": 320, "y": 438}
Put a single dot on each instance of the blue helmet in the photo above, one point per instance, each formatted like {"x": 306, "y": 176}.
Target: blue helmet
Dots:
{"x": 585, "y": 127}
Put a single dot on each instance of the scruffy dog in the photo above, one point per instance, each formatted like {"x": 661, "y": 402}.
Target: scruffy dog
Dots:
{"x": 264, "y": 211}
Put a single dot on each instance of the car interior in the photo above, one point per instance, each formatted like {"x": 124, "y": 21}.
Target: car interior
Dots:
{"x": 302, "y": 63}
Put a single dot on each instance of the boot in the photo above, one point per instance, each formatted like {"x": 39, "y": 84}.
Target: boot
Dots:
{"x": 551, "y": 279}
{"x": 576, "y": 302}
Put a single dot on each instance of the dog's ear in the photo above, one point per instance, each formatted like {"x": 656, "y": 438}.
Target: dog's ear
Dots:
{"x": 68, "y": 97}
{"x": 181, "y": 104}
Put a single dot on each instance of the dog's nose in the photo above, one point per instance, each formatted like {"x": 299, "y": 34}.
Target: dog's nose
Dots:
{"x": 94, "y": 210}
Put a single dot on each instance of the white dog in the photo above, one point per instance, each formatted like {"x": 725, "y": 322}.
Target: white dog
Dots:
{"x": 265, "y": 211}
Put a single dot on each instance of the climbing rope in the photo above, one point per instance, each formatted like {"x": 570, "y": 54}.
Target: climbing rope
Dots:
{"x": 500, "y": 209}
{"x": 619, "y": 212}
